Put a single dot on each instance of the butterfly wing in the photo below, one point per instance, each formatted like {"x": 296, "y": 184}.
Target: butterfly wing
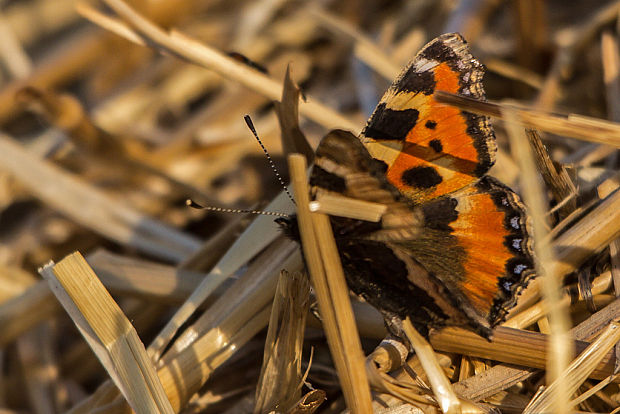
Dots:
{"x": 457, "y": 260}
{"x": 429, "y": 149}
{"x": 476, "y": 242}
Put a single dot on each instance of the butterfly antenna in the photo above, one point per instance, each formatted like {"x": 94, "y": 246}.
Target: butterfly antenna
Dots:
{"x": 191, "y": 203}
{"x": 250, "y": 124}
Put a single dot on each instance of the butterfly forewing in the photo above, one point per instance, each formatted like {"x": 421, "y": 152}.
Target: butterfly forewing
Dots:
{"x": 431, "y": 149}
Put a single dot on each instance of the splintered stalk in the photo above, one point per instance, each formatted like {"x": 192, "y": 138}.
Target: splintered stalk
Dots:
{"x": 109, "y": 333}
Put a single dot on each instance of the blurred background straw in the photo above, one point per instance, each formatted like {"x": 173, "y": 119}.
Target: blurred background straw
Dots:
{"x": 113, "y": 113}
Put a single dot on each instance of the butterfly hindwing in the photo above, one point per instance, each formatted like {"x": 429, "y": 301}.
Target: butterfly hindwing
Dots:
{"x": 430, "y": 149}
{"x": 476, "y": 242}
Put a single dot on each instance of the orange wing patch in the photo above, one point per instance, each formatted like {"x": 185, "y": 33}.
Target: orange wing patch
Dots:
{"x": 492, "y": 228}
{"x": 480, "y": 230}
{"x": 430, "y": 149}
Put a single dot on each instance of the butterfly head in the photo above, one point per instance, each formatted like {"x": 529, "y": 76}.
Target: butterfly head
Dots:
{"x": 289, "y": 226}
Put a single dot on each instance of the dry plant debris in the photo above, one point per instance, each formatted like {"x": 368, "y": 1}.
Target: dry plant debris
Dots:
{"x": 114, "y": 112}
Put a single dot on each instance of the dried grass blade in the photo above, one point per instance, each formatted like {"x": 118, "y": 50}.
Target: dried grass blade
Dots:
{"x": 365, "y": 49}
{"x": 355, "y": 389}
{"x": 514, "y": 72}
{"x": 202, "y": 55}
{"x": 91, "y": 207}
{"x": 247, "y": 295}
{"x": 589, "y": 235}
{"x": 287, "y": 109}
{"x": 595, "y": 389}
{"x": 143, "y": 278}
{"x": 339, "y": 292}
{"x": 556, "y": 177}
{"x": 578, "y": 371}
{"x": 348, "y": 207}
{"x": 611, "y": 75}
{"x": 196, "y": 363}
{"x": 575, "y": 126}
{"x": 39, "y": 369}
{"x": 309, "y": 403}
{"x": 108, "y": 332}
{"x": 388, "y": 356}
{"x": 412, "y": 394}
{"x": 503, "y": 376}
{"x": 109, "y": 23}
{"x": 255, "y": 238}
{"x": 82, "y": 48}
{"x": 512, "y": 346}
{"x": 533, "y": 194}
{"x": 614, "y": 253}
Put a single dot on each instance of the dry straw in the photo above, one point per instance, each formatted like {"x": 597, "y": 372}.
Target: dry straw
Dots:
{"x": 577, "y": 372}
{"x": 390, "y": 355}
{"x": 142, "y": 278}
{"x": 348, "y": 207}
{"x": 511, "y": 346}
{"x": 108, "y": 332}
{"x": 364, "y": 48}
{"x": 23, "y": 312}
{"x": 92, "y": 208}
{"x": 572, "y": 125}
{"x": 239, "y": 314}
{"x": 533, "y": 193}
{"x": 136, "y": 28}
{"x": 444, "y": 394}
{"x": 503, "y": 376}
{"x": 253, "y": 291}
{"x": 591, "y": 234}
{"x": 258, "y": 235}
{"x": 236, "y": 313}
{"x": 332, "y": 293}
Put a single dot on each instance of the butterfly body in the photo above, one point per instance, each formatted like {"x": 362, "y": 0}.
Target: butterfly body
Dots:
{"x": 453, "y": 246}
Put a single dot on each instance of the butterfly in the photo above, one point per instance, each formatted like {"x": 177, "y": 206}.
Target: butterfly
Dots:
{"x": 453, "y": 247}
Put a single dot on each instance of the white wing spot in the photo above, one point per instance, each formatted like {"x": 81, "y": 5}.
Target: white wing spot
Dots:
{"x": 514, "y": 223}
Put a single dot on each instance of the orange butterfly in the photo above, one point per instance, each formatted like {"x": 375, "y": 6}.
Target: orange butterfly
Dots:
{"x": 453, "y": 247}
